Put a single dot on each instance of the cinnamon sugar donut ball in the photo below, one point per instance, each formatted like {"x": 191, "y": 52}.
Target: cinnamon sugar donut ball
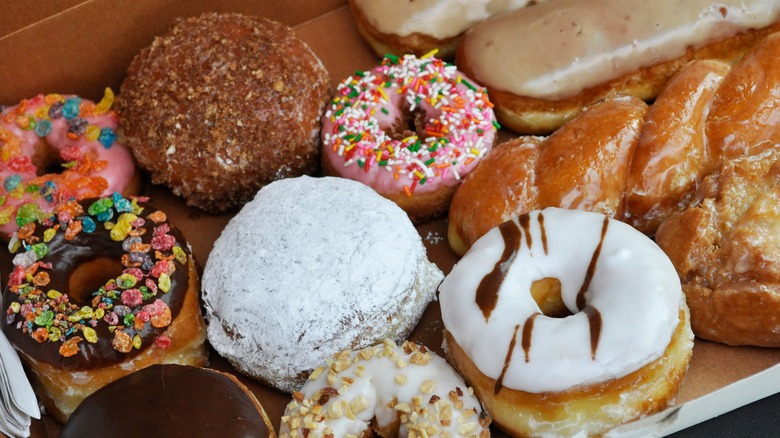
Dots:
{"x": 222, "y": 105}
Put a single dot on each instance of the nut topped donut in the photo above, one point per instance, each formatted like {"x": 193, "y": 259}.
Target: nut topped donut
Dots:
{"x": 223, "y": 104}
{"x": 411, "y": 129}
{"x": 386, "y": 389}
{"x": 54, "y": 148}
{"x": 566, "y": 321}
{"x": 96, "y": 291}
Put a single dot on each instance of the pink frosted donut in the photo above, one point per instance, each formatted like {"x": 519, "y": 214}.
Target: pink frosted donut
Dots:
{"x": 56, "y": 148}
{"x": 410, "y": 128}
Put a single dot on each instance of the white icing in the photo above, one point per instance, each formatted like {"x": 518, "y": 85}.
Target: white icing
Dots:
{"x": 556, "y": 49}
{"x": 310, "y": 267}
{"x": 437, "y": 18}
{"x": 371, "y": 379}
{"x": 634, "y": 287}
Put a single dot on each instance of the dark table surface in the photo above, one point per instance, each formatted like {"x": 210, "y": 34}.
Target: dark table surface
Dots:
{"x": 760, "y": 419}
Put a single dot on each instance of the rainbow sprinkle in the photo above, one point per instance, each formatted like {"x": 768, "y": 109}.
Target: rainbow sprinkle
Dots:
{"x": 126, "y": 304}
{"x": 458, "y": 113}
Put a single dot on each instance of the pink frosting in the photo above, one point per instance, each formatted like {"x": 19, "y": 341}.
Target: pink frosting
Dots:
{"x": 93, "y": 164}
{"x": 458, "y": 127}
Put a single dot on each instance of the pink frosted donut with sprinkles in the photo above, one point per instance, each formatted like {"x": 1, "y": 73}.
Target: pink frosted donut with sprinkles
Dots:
{"x": 56, "y": 148}
{"x": 411, "y": 129}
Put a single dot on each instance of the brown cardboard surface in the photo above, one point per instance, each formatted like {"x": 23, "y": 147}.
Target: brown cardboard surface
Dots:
{"x": 15, "y": 16}
{"x": 86, "y": 48}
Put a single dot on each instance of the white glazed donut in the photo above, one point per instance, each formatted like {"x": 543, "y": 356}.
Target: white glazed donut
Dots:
{"x": 408, "y": 390}
{"x": 618, "y": 309}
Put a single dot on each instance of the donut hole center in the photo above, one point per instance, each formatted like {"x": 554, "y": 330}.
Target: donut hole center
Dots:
{"x": 46, "y": 159}
{"x": 411, "y": 122}
{"x": 90, "y": 276}
{"x": 547, "y": 294}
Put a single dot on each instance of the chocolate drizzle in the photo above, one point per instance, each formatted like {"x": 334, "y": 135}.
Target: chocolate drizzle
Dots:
{"x": 594, "y": 316}
{"x": 581, "y": 300}
{"x": 487, "y": 291}
{"x": 540, "y": 219}
{"x": 594, "y": 321}
{"x": 525, "y": 223}
{"x": 508, "y": 358}
{"x": 528, "y": 328}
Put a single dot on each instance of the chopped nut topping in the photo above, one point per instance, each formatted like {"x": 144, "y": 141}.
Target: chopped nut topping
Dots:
{"x": 358, "y": 404}
{"x": 403, "y": 407}
{"x": 428, "y": 386}
{"x": 420, "y": 358}
{"x": 335, "y": 411}
{"x": 316, "y": 373}
{"x": 468, "y": 428}
{"x": 326, "y": 393}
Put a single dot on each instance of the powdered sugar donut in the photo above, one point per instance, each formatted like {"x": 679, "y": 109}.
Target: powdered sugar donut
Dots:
{"x": 396, "y": 391}
{"x": 571, "y": 311}
{"x": 410, "y": 128}
{"x": 55, "y": 148}
{"x": 310, "y": 267}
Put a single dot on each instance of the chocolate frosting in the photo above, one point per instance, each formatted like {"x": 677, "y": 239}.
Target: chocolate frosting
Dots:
{"x": 65, "y": 256}
{"x": 168, "y": 401}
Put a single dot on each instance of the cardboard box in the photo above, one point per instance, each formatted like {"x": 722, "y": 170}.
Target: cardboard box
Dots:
{"x": 69, "y": 46}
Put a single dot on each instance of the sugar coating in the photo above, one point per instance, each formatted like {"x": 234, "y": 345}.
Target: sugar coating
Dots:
{"x": 310, "y": 267}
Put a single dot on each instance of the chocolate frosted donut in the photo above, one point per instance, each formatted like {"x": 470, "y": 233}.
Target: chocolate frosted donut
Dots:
{"x": 171, "y": 400}
{"x": 98, "y": 290}
{"x": 222, "y": 105}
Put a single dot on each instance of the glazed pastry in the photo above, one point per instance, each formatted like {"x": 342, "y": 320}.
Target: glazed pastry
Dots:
{"x": 545, "y": 63}
{"x": 310, "y": 267}
{"x": 567, "y": 169}
{"x": 388, "y": 390}
{"x": 672, "y": 147}
{"x": 97, "y": 291}
{"x": 724, "y": 247}
{"x": 567, "y": 322}
{"x": 223, "y": 104}
{"x": 402, "y": 27}
{"x": 673, "y": 155}
{"x": 743, "y": 116}
{"x": 171, "y": 400}
{"x": 723, "y": 244}
{"x": 57, "y": 147}
{"x": 411, "y": 129}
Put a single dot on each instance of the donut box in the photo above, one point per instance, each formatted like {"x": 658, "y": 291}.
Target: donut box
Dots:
{"x": 81, "y": 47}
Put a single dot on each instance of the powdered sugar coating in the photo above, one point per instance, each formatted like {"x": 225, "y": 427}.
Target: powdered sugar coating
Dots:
{"x": 310, "y": 267}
